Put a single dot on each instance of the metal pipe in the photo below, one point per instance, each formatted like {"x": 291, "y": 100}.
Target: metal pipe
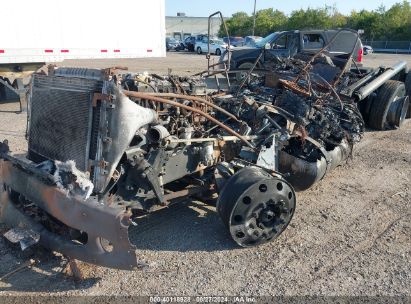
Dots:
{"x": 255, "y": 4}
{"x": 228, "y": 42}
{"x": 366, "y": 91}
{"x": 331, "y": 88}
{"x": 157, "y": 133}
{"x": 196, "y": 99}
{"x": 348, "y": 91}
{"x": 215, "y": 139}
{"x": 188, "y": 108}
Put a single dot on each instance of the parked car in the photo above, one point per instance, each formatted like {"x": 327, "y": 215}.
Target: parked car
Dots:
{"x": 217, "y": 46}
{"x": 368, "y": 49}
{"x": 190, "y": 41}
{"x": 251, "y": 40}
{"x": 172, "y": 44}
{"x": 289, "y": 43}
{"x": 234, "y": 41}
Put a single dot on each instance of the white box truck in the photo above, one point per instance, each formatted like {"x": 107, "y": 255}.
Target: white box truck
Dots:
{"x": 51, "y": 31}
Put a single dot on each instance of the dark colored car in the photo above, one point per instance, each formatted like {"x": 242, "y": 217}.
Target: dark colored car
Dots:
{"x": 234, "y": 41}
{"x": 289, "y": 43}
{"x": 190, "y": 41}
{"x": 251, "y": 40}
{"x": 172, "y": 44}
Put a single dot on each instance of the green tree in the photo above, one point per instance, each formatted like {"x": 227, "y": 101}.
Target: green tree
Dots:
{"x": 268, "y": 21}
{"x": 367, "y": 21}
{"x": 379, "y": 24}
{"x": 398, "y": 22}
{"x": 239, "y": 24}
{"x": 310, "y": 19}
{"x": 336, "y": 18}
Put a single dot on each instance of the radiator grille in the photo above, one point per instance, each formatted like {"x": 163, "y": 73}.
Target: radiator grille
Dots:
{"x": 60, "y": 118}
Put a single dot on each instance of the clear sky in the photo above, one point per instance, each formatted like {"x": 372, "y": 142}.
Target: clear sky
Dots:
{"x": 199, "y": 8}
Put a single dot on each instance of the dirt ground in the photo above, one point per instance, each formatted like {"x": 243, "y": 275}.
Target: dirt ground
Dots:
{"x": 350, "y": 236}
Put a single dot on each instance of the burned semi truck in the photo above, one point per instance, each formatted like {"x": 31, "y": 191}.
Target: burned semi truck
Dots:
{"x": 106, "y": 147}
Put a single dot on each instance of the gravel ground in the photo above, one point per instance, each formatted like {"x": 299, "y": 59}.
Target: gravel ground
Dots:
{"x": 350, "y": 236}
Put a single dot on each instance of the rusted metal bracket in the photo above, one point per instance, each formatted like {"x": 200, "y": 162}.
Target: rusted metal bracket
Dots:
{"x": 110, "y": 72}
{"x": 99, "y": 96}
{"x": 101, "y": 222}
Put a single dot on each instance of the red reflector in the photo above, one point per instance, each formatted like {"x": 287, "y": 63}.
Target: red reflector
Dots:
{"x": 48, "y": 51}
{"x": 103, "y": 51}
{"x": 1, "y": 51}
{"x": 360, "y": 54}
{"x": 149, "y": 51}
{"x": 116, "y": 51}
{"x": 64, "y": 51}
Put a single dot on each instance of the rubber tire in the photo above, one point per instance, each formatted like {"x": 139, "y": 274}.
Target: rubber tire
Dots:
{"x": 408, "y": 92}
{"x": 199, "y": 51}
{"x": 245, "y": 65}
{"x": 381, "y": 104}
{"x": 218, "y": 52}
{"x": 365, "y": 106}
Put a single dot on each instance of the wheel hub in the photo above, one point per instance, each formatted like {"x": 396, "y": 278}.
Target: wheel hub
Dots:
{"x": 398, "y": 110}
{"x": 256, "y": 206}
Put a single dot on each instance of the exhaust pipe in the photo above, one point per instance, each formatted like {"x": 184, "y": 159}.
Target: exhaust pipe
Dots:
{"x": 380, "y": 80}
{"x": 302, "y": 174}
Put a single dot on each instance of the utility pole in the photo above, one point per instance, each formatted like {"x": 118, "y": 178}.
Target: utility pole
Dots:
{"x": 255, "y": 2}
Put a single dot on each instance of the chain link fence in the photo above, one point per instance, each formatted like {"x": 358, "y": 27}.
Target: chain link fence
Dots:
{"x": 390, "y": 46}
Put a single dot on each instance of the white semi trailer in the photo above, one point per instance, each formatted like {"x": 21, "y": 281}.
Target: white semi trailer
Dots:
{"x": 52, "y": 31}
